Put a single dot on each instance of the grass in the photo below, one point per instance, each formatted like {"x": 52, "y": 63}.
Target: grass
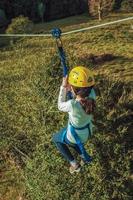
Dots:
{"x": 30, "y": 76}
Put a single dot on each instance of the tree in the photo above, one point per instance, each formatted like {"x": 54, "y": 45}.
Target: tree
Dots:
{"x": 3, "y": 19}
{"x": 100, "y": 7}
{"x": 41, "y": 10}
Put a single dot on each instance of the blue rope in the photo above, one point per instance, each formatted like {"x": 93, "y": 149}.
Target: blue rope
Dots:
{"x": 63, "y": 61}
{"x": 56, "y": 33}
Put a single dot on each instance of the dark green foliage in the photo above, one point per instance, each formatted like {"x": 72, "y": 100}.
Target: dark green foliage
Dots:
{"x": 35, "y": 9}
{"x": 127, "y": 5}
{"x": 14, "y": 8}
{"x": 117, "y": 4}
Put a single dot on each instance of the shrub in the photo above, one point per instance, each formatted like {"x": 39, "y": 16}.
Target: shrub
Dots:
{"x": 20, "y": 25}
{"x": 127, "y": 5}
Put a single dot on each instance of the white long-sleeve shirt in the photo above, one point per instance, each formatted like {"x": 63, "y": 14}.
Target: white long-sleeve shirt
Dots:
{"x": 77, "y": 116}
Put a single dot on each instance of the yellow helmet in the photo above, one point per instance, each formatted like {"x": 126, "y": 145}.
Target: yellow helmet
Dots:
{"x": 81, "y": 77}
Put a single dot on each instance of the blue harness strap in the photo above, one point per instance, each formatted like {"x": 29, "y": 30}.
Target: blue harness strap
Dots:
{"x": 86, "y": 156}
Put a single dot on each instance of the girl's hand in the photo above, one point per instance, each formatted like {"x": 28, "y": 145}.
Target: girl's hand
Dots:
{"x": 65, "y": 81}
{"x": 66, "y": 84}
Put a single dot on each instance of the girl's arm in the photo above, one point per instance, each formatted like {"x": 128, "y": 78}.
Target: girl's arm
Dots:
{"x": 64, "y": 105}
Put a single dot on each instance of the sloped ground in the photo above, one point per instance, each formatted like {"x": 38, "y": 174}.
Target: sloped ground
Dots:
{"x": 30, "y": 75}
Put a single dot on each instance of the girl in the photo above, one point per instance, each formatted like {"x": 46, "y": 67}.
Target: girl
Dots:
{"x": 80, "y": 110}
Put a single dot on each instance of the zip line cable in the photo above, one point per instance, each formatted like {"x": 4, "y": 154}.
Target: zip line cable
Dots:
{"x": 96, "y": 26}
{"x": 69, "y": 32}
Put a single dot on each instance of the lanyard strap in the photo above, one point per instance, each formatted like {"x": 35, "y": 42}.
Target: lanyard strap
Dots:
{"x": 79, "y": 143}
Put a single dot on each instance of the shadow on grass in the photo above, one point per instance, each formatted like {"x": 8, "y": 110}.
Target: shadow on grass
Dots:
{"x": 98, "y": 60}
{"x": 112, "y": 141}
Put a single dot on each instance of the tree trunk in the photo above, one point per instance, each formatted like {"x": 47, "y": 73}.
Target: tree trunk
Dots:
{"x": 99, "y": 11}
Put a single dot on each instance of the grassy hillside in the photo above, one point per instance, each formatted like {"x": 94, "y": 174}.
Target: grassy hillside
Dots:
{"x": 30, "y": 76}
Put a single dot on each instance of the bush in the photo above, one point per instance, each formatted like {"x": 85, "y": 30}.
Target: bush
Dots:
{"x": 127, "y": 5}
{"x": 20, "y": 25}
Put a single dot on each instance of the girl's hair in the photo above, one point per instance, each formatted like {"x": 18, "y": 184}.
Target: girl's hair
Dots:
{"x": 88, "y": 104}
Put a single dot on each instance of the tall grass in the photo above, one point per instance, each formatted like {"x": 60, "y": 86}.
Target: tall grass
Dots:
{"x": 30, "y": 76}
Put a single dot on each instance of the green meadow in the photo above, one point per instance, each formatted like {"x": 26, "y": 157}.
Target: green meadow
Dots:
{"x": 30, "y": 77}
